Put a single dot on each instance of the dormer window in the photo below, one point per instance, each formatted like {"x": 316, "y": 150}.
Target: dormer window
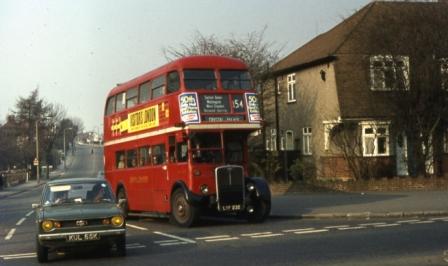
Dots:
{"x": 389, "y": 73}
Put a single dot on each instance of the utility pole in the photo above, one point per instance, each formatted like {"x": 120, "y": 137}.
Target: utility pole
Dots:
{"x": 37, "y": 151}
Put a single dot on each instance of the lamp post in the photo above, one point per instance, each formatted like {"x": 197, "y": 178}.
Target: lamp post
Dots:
{"x": 37, "y": 162}
{"x": 65, "y": 153}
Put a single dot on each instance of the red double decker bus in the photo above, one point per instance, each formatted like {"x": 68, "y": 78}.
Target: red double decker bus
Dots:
{"x": 175, "y": 141}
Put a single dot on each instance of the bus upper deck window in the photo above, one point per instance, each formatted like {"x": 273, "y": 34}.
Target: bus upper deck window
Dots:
{"x": 110, "y": 106}
{"x": 173, "y": 82}
{"x": 158, "y": 87}
{"x": 200, "y": 79}
{"x": 131, "y": 97}
{"x": 145, "y": 92}
{"x": 235, "y": 79}
{"x": 120, "y": 104}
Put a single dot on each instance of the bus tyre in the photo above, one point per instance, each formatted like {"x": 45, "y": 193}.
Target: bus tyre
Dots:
{"x": 182, "y": 212}
{"x": 42, "y": 252}
{"x": 121, "y": 194}
{"x": 260, "y": 212}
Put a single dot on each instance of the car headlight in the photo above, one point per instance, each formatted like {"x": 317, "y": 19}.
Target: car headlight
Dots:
{"x": 47, "y": 225}
{"x": 117, "y": 220}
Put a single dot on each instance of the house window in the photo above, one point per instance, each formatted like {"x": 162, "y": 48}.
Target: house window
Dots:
{"x": 271, "y": 140}
{"x": 289, "y": 140}
{"x": 307, "y": 134}
{"x": 444, "y": 73}
{"x": 291, "y": 88}
{"x": 389, "y": 72}
{"x": 375, "y": 139}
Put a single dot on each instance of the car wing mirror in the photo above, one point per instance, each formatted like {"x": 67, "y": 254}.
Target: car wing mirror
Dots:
{"x": 35, "y": 205}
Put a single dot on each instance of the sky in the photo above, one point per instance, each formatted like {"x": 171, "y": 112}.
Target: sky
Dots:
{"x": 75, "y": 52}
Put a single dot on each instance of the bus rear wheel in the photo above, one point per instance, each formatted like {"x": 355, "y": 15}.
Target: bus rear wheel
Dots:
{"x": 183, "y": 213}
{"x": 121, "y": 194}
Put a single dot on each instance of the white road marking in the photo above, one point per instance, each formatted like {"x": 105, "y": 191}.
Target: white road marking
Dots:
{"x": 211, "y": 237}
{"x": 267, "y": 235}
{"x": 352, "y": 228}
{"x": 439, "y": 218}
{"x": 173, "y": 244}
{"x": 137, "y": 227}
{"x": 408, "y": 221}
{"x": 424, "y": 222}
{"x": 371, "y": 224}
{"x": 175, "y": 237}
{"x": 20, "y": 221}
{"x": 311, "y": 231}
{"x": 256, "y": 234}
{"x": 10, "y": 234}
{"x": 166, "y": 241}
{"x": 28, "y": 214}
{"x": 386, "y": 225}
{"x": 336, "y": 226}
{"x": 222, "y": 239}
{"x": 135, "y": 245}
{"x": 298, "y": 229}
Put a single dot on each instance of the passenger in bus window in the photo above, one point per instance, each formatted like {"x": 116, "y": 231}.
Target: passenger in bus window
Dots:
{"x": 121, "y": 162}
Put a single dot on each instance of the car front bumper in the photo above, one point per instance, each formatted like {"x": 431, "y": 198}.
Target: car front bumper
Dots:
{"x": 60, "y": 239}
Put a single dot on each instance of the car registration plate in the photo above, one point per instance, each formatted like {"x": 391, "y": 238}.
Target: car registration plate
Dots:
{"x": 83, "y": 237}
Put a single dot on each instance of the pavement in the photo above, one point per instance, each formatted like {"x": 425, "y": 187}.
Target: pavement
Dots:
{"x": 328, "y": 205}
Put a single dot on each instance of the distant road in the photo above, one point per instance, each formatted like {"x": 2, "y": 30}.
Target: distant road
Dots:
{"x": 85, "y": 163}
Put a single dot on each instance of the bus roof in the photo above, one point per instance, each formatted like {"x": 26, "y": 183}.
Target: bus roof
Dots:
{"x": 189, "y": 62}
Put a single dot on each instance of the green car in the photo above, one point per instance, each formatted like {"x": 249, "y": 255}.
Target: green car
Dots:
{"x": 78, "y": 212}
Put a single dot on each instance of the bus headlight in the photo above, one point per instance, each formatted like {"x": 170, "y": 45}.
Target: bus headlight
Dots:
{"x": 117, "y": 221}
{"x": 204, "y": 189}
{"x": 47, "y": 225}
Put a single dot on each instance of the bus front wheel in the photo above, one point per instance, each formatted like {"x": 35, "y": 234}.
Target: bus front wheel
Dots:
{"x": 261, "y": 210}
{"x": 182, "y": 212}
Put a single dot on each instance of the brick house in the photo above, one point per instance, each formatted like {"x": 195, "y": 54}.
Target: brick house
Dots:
{"x": 367, "y": 98}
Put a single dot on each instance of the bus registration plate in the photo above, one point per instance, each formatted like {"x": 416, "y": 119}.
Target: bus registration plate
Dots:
{"x": 83, "y": 237}
{"x": 234, "y": 207}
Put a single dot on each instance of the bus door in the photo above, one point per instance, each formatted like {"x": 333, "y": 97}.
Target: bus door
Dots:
{"x": 160, "y": 195}
{"x": 177, "y": 166}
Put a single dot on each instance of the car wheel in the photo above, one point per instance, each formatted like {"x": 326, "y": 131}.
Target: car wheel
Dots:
{"x": 261, "y": 211}
{"x": 42, "y": 252}
{"x": 121, "y": 246}
{"x": 122, "y": 195}
{"x": 182, "y": 212}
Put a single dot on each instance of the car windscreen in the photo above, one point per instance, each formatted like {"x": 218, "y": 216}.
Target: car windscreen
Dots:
{"x": 89, "y": 192}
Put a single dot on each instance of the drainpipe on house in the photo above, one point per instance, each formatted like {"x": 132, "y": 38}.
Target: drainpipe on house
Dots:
{"x": 277, "y": 117}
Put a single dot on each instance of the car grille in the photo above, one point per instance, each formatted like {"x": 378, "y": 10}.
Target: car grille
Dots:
{"x": 230, "y": 187}
{"x": 90, "y": 222}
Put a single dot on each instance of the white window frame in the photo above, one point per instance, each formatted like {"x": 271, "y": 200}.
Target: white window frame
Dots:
{"x": 381, "y": 64}
{"x": 375, "y": 126}
{"x": 444, "y": 73}
{"x": 307, "y": 135}
{"x": 289, "y": 140}
{"x": 291, "y": 81}
{"x": 273, "y": 146}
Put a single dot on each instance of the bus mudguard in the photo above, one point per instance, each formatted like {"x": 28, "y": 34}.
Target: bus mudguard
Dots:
{"x": 190, "y": 196}
{"x": 261, "y": 187}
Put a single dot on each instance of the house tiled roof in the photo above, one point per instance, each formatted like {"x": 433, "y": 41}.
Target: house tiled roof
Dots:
{"x": 323, "y": 46}
{"x": 327, "y": 45}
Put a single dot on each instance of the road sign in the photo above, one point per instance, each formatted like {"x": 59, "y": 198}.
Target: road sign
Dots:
{"x": 36, "y": 162}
